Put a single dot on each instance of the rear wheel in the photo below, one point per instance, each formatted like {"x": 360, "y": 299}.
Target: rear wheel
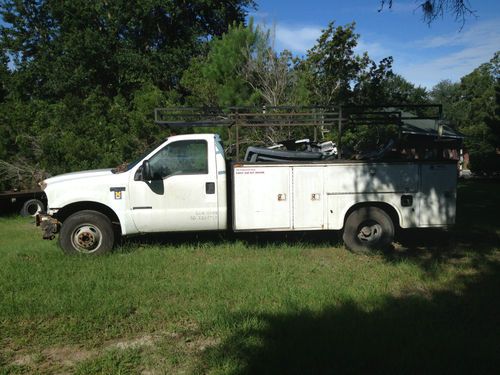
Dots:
{"x": 87, "y": 232}
{"x": 367, "y": 229}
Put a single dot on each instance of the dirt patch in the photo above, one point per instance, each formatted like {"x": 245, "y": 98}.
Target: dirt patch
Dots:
{"x": 138, "y": 342}
{"x": 67, "y": 355}
{"x": 65, "y": 358}
{"x": 24, "y": 360}
{"x": 200, "y": 344}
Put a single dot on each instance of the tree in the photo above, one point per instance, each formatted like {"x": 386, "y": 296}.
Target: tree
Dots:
{"x": 432, "y": 9}
{"x": 4, "y": 77}
{"x": 63, "y": 47}
{"x": 397, "y": 90}
{"x": 85, "y": 76}
{"x": 448, "y": 94}
{"x": 480, "y": 119}
{"x": 271, "y": 75}
{"x": 333, "y": 65}
{"x": 217, "y": 78}
{"x": 337, "y": 75}
{"x": 371, "y": 87}
{"x": 473, "y": 107}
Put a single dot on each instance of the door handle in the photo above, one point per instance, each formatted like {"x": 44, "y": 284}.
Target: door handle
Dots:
{"x": 210, "y": 188}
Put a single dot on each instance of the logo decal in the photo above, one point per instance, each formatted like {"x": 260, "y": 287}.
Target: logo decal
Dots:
{"x": 118, "y": 191}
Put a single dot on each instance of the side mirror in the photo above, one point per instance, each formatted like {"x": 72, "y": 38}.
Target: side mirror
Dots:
{"x": 146, "y": 171}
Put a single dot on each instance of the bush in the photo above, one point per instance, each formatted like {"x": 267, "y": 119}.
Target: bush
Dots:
{"x": 485, "y": 163}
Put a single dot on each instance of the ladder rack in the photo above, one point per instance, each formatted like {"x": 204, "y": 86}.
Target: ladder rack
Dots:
{"x": 338, "y": 117}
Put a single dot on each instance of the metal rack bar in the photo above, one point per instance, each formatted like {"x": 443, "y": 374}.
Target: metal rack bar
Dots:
{"x": 260, "y": 117}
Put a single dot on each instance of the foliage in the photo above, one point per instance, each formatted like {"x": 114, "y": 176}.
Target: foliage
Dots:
{"x": 79, "y": 80}
{"x": 4, "y": 77}
{"x": 371, "y": 87}
{"x": 448, "y": 94}
{"x": 114, "y": 46}
{"x": 271, "y": 75}
{"x": 397, "y": 90}
{"x": 473, "y": 107}
{"x": 333, "y": 65}
{"x": 85, "y": 76}
{"x": 217, "y": 80}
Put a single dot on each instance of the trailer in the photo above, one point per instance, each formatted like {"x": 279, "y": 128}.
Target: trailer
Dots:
{"x": 188, "y": 184}
{"x": 26, "y": 202}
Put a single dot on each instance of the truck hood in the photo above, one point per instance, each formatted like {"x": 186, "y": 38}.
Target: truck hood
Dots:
{"x": 79, "y": 175}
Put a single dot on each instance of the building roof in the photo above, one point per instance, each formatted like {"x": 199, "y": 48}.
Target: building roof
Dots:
{"x": 427, "y": 127}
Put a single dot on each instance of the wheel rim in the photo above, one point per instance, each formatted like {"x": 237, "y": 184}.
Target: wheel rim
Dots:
{"x": 86, "y": 238}
{"x": 33, "y": 208}
{"x": 369, "y": 232}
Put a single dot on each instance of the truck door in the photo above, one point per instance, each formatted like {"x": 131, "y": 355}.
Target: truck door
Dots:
{"x": 183, "y": 194}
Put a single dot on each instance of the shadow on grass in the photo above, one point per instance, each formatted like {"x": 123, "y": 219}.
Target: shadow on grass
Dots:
{"x": 264, "y": 239}
{"x": 452, "y": 331}
{"x": 475, "y": 234}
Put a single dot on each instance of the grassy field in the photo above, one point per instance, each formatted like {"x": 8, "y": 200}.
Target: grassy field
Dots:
{"x": 257, "y": 304}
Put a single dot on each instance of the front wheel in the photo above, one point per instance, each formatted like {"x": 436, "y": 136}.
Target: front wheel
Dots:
{"x": 367, "y": 229}
{"x": 87, "y": 232}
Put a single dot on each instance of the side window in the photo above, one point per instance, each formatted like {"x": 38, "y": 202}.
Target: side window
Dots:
{"x": 219, "y": 148}
{"x": 181, "y": 157}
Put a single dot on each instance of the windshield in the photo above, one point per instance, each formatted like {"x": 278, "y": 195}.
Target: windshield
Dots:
{"x": 124, "y": 167}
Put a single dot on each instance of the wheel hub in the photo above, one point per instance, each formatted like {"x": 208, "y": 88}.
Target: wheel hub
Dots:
{"x": 370, "y": 232}
{"x": 86, "y": 238}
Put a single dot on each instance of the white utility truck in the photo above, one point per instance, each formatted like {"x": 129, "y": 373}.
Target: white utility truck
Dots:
{"x": 186, "y": 184}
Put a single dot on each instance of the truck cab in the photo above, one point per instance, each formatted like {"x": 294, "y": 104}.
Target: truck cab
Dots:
{"x": 178, "y": 186}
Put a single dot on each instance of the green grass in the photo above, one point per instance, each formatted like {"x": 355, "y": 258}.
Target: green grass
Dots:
{"x": 256, "y": 304}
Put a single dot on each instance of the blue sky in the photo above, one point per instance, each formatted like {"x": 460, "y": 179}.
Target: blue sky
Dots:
{"x": 423, "y": 55}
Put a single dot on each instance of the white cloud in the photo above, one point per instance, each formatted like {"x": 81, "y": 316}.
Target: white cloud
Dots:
{"x": 424, "y": 62}
{"x": 302, "y": 38}
{"x": 296, "y": 39}
{"x": 455, "y": 54}
{"x": 375, "y": 50}
{"x": 481, "y": 33}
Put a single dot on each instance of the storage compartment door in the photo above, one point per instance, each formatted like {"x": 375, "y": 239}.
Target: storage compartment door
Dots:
{"x": 262, "y": 198}
{"x": 308, "y": 198}
{"x": 438, "y": 193}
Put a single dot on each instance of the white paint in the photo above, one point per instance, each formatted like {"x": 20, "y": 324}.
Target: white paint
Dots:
{"x": 262, "y": 198}
{"x": 308, "y": 198}
{"x": 340, "y": 186}
{"x": 266, "y": 197}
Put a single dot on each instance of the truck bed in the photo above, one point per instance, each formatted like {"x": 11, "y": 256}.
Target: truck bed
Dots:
{"x": 318, "y": 195}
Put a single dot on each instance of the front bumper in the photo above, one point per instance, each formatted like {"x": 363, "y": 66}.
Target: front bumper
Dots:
{"x": 50, "y": 226}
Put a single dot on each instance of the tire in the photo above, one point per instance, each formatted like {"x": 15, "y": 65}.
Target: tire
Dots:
{"x": 367, "y": 229}
{"x": 87, "y": 232}
{"x": 31, "y": 207}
